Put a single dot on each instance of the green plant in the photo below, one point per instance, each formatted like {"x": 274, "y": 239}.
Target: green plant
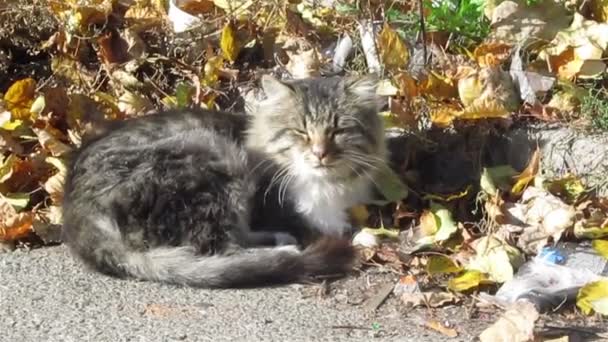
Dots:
{"x": 595, "y": 107}
{"x": 464, "y": 18}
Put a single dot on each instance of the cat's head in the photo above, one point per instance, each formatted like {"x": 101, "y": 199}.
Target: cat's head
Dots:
{"x": 321, "y": 127}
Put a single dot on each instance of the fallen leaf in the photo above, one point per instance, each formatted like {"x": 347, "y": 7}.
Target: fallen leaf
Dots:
{"x": 18, "y": 200}
{"x": 303, "y": 64}
{"x": 234, "y": 7}
{"x": 593, "y": 297}
{"x": 515, "y": 325}
{"x": 487, "y": 92}
{"x": 497, "y": 178}
{"x": 229, "y": 43}
{"x": 436, "y": 225}
{"x": 601, "y": 247}
{"x": 55, "y": 184}
{"x": 13, "y": 225}
{"x": 580, "y": 49}
{"x": 393, "y": 51}
{"x": 468, "y": 280}
{"x": 50, "y": 142}
{"x": 390, "y": 186}
{"x": 492, "y": 53}
{"x": 429, "y": 299}
{"x": 495, "y": 258}
{"x": 437, "y": 326}
{"x": 568, "y": 187}
{"x": 19, "y": 98}
{"x": 440, "y": 264}
{"x": 527, "y": 176}
{"x": 133, "y": 104}
{"x": 518, "y": 22}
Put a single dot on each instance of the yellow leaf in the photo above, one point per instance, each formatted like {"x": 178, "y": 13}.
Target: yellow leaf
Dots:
{"x": 439, "y": 264}
{"x": 583, "y": 231}
{"x": 234, "y": 7}
{"x": 438, "y": 86}
{"x": 212, "y": 70}
{"x": 19, "y": 98}
{"x": 393, "y": 51}
{"x": 467, "y": 281}
{"x": 496, "y": 258}
{"x": 593, "y": 297}
{"x": 601, "y": 247}
{"x": 599, "y": 8}
{"x": 528, "y": 174}
{"x": 229, "y": 44}
{"x": 486, "y": 109}
{"x": 50, "y": 142}
{"x": 569, "y": 187}
{"x": 492, "y": 54}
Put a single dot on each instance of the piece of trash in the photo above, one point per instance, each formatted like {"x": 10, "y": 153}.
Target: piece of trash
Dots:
{"x": 549, "y": 285}
{"x": 367, "y": 31}
{"x": 344, "y": 47}
{"x": 366, "y": 239}
{"x": 551, "y": 255}
{"x": 181, "y": 20}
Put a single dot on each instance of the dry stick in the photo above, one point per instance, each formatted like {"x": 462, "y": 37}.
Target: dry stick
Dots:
{"x": 422, "y": 30}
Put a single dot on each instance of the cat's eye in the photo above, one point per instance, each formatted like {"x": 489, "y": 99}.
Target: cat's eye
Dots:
{"x": 301, "y": 133}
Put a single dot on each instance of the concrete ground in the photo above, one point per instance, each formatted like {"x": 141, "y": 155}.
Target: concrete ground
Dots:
{"x": 46, "y": 296}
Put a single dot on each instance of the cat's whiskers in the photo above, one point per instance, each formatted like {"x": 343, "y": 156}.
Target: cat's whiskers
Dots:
{"x": 278, "y": 175}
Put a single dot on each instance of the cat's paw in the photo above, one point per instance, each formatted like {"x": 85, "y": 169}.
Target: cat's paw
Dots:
{"x": 282, "y": 239}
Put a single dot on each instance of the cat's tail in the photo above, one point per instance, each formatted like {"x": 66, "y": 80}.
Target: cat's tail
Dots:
{"x": 244, "y": 268}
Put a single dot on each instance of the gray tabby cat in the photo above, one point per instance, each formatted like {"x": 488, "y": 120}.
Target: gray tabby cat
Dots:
{"x": 179, "y": 197}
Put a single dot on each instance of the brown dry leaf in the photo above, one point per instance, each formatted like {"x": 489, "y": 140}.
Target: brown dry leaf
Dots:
{"x": 13, "y": 225}
{"x": 133, "y": 104}
{"x": 393, "y": 51}
{"x": 438, "y": 86}
{"x": 56, "y": 101}
{"x": 407, "y": 85}
{"x": 437, "y": 326}
{"x": 303, "y": 64}
{"x": 71, "y": 70}
{"x": 492, "y": 54}
{"x": 515, "y": 325}
{"x": 112, "y": 48}
{"x": 48, "y": 139}
{"x": 527, "y": 176}
{"x": 54, "y": 185}
{"x": 430, "y": 299}
{"x": 19, "y": 98}
{"x": 144, "y": 14}
{"x": 486, "y": 92}
{"x": 197, "y": 7}
{"x": 79, "y": 14}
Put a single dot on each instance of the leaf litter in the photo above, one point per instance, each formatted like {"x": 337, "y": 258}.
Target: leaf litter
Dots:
{"x": 496, "y": 63}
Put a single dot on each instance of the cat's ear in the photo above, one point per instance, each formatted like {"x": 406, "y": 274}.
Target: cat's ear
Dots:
{"x": 363, "y": 90}
{"x": 274, "y": 88}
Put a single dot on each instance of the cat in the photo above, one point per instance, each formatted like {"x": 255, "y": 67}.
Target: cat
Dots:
{"x": 185, "y": 196}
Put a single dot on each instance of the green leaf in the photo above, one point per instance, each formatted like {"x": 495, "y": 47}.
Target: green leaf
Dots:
{"x": 383, "y": 232}
{"x": 447, "y": 226}
{"x": 390, "y": 186}
{"x": 497, "y": 178}
{"x": 467, "y": 281}
{"x": 18, "y": 200}
{"x": 593, "y": 297}
{"x": 439, "y": 264}
{"x": 601, "y": 247}
{"x": 6, "y": 169}
{"x": 183, "y": 95}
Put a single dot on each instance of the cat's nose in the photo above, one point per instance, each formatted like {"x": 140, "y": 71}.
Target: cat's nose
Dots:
{"x": 319, "y": 150}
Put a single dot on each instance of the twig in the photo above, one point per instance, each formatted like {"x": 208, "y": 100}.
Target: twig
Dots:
{"x": 375, "y": 301}
{"x": 422, "y": 30}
